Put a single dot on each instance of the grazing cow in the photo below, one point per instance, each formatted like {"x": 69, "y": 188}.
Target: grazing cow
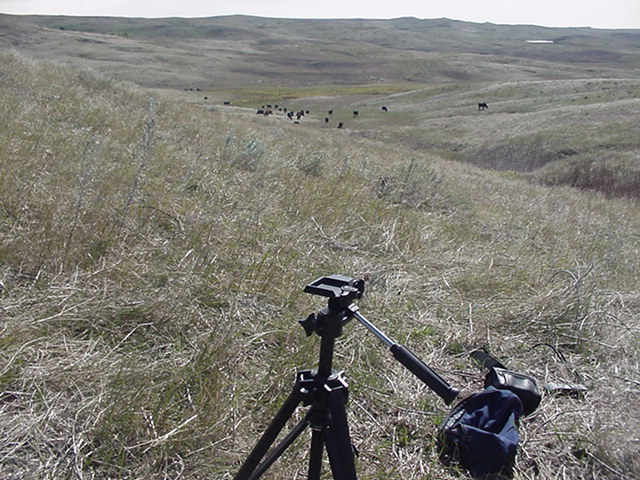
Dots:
{"x": 227, "y": 103}
{"x": 355, "y": 113}
{"x": 260, "y": 112}
{"x": 330, "y": 112}
{"x": 340, "y": 125}
{"x": 326, "y": 119}
{"x": 384, "y": 109}
{"x": 482, "y": 106}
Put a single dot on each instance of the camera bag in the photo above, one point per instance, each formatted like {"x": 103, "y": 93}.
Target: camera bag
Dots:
{"x": 480, "y": 434}
{"x": 524, "y": 386}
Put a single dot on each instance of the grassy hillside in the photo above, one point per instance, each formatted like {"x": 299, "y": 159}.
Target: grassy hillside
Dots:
{"x": 211, "y": 53}
{"x": 563, "y": 113}
{"x": 153, "y": 254}
{"x": 583, "y": 132}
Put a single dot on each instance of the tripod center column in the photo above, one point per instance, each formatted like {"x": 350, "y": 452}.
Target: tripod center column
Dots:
{"x": 325, "y": 365}
{"x": 329, "y": 323}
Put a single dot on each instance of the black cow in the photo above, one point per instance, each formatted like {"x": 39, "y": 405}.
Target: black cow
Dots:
{"x": 482, "y": 106}
{"x": 355, "y": 113}
{"x": 384, "y": 109}
{"x": 340, "y": 125}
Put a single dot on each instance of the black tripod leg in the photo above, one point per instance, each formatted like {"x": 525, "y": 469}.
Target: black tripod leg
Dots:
{"x": 315, "y": 455}
{"x": 280, "y": 449}
{"x": 269, "y": 436}
{"x": 338, "y": 441}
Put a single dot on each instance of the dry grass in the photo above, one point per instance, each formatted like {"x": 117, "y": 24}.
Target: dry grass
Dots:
{"x": 152, "y": 261}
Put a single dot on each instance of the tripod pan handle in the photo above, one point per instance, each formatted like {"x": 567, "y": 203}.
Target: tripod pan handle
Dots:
{"x": 424, "y": 373}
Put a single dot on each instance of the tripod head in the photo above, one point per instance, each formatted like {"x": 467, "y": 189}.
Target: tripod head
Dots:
{"x": 328, "y": 323}
{"x": 341, "y": 291}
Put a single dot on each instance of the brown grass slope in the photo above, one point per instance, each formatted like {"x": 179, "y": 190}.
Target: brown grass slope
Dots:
{"x": 152, "y": 259}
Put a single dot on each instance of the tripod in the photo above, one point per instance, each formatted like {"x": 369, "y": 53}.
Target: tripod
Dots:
{"x": 325, "y": 391}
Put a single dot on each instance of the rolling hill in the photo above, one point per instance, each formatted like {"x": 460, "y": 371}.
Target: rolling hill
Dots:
{"x": 549, "y": 90}
{"x": 219, "y": 52}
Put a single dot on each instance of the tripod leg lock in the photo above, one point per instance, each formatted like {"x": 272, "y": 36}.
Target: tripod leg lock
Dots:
{"x": 314, "y": 390}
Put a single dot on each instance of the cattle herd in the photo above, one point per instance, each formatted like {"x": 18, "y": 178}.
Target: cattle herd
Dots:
{"x": 296, "y": 115}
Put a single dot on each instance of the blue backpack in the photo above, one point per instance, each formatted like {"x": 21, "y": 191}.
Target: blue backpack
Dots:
{"x": 481, "y": 433}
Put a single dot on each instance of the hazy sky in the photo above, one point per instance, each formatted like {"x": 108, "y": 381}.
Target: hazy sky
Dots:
{"x": 553, "y": 13}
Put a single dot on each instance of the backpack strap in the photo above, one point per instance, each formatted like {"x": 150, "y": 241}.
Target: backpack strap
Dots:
{"x": 485, "y": 360}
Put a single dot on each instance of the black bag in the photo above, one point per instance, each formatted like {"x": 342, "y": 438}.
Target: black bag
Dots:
{"x": 499, "y": 376}
{"x": 481, "y": 435}
{"x": 524, "y": 386}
